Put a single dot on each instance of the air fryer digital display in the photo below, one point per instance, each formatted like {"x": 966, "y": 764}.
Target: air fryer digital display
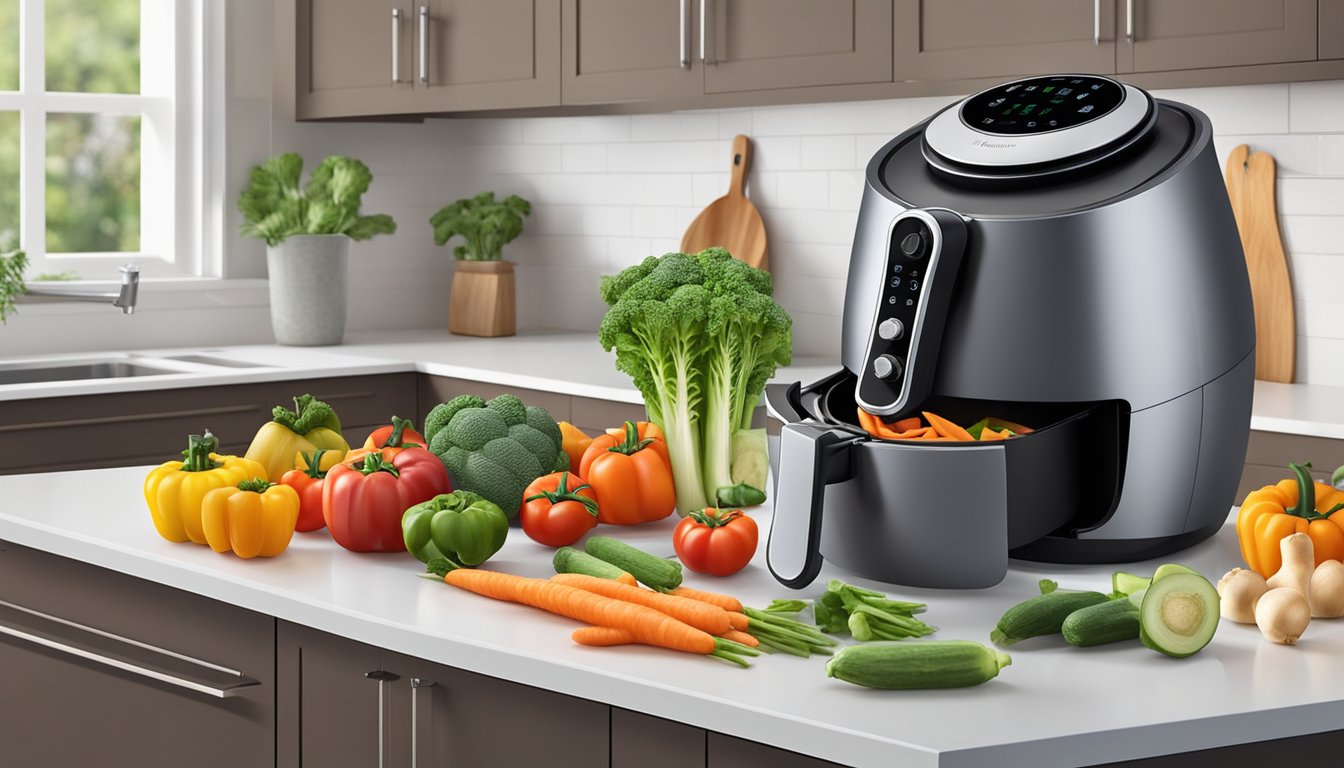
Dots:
{"x": 1042, "y": 104}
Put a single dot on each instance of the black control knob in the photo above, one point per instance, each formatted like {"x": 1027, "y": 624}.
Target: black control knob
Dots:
{"x": 912, "y": 245}
{"x": 890, "y": 329}
{"x": 886, "y": 367}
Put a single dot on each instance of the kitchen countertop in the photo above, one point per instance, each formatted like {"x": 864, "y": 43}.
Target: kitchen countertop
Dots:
{"x": 566, "y": 362}
{"x": 1054, "y": 706}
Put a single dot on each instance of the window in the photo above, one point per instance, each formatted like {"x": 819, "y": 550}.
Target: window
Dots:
{"x": 97, "y": 151}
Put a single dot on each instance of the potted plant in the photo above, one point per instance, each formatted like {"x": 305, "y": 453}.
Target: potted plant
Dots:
{"x": 308, "y": 232}
{"x": 481, "y": 302}
{"x": 11, "y": 281}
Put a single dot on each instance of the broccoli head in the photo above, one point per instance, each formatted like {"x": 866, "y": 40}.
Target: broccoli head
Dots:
{"x": 484, "y": 224}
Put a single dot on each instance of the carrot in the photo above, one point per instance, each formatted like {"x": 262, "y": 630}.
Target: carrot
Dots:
{"x": 868, "y": 421}
{"x": 738, "y": 636}
{"x": 947, "y": 428}
{"x": 601, "y": 636}
{"x": 726, "y": 602}
{"x": 739, "y": 620}
{"x": 645, "y": 625}
{"x": 914, "y": 434}
{"x": 907, "y": 424}
{"x": 702, "y": 616}
{"x": 989, "y": 434}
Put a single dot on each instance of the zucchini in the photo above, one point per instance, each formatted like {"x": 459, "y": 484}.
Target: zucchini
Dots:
{"x": 1178, "y": 614}
{"x": 915, "y": 664}
{"x": 571, "y": 560}
{"x": 1123, "y": 583}
{"x": 651, "y": 571}
{"x": 1041, "y": 615}
{"x": 1108, "y": 622}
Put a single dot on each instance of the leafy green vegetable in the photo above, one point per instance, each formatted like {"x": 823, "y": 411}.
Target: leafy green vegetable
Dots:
{"x": 274, "y": 207}
{"x": 11, "y": 281}
{"x": 495, "y": 448}
{"x": 867, "y": 615}
{"x": 700, "y": 334}
{"x": 309, "y": 413}
{"x": 484, "y": 224}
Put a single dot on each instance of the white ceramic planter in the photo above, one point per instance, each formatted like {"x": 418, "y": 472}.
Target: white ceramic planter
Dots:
{"x": 309, "y": 289}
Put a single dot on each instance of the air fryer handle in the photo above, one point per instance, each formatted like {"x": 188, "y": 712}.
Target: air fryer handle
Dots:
{"x": 811, "y": 457}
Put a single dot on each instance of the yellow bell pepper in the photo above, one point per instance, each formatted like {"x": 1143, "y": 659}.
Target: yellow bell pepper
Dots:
{"x": 254, "y": 518}
{"x": 574, "y": 441}
{"x": 174, "y": 490}
{"x": 1295, "y": 505}
{"x": 310, "y": 426}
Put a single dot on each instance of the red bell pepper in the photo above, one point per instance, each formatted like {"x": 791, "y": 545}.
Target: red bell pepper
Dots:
{"x": 363, "y": 500}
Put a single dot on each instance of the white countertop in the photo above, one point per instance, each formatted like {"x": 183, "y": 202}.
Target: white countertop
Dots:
{"x": 1054, "y": 706}
{"x": 567, "y": 362}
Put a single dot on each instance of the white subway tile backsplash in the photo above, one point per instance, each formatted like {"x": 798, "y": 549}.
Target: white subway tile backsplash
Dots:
{"x": 815, "y": 334}
{"x": 816, "y": 295}
{"x": 866, "y": 145}
{"x": 1313, "y": 234}
{"x": 834, "y": 227}
{"x": 1332, "y": 155}
{"x": 648, "y": 221}
{"x": 1316, "y": 277}
{"x": 1320, "y": 361}
{"x": 845, "y": 190}
{"x": 667, "y": 157}
{"x": 625, "y": 252}
{"x": 1319, "y": 319}
{"x": 662, "y": 189}
{"x": 1316, "y": 107}
{"x": 735, "y": 121}
{"x": 810, "y": 259}
{"x": 798, "y": 120}
{"x": 1311, "y": 197}
{"x": 583, "y": 158}
{"x": 674, "y": 126}
{"x": 576, "y": 130}
{"x": 803, "y": 189}
{"x": 613, "y": 220}
{"x": 826, "y": 152}
{"x": 1294, "y": 154}
{"x": 708, "y": 187}
{"x": 1247, "y": 109}
{"x": 775, "y": 153}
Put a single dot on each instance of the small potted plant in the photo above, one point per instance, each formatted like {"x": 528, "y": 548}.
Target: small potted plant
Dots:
{"x": 482, "y": 299}
{"x": 308, "y": 232}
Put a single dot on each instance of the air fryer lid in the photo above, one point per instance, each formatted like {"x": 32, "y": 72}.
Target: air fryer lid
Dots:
{"x": 1038, "y": 126}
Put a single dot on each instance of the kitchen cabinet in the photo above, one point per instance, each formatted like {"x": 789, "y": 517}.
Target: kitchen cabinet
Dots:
{"x": 398, "y": 57}
{"x": 589, "y": 414}
{"x": 102, "y": 668}
{"x": 629, "y": 50}
{"x": 730, "y": 752}
{"x": 1330, "y": 30}
{"x": 1269, "y": 453}
{"x": 128, "y": 428}
{"x": 346, "y": 703}
{"x": 754, "y": 45}
{"x": 1165, "y": 35}
{"x": 934, "y": 42}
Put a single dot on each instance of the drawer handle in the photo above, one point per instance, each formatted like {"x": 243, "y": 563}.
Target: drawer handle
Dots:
{"x": 1129, "y": 21}
{"x": 34, "y": 626}
{"x": 383, "y": 677}
{"x": 1096, "y": 22}
{"x": 424, "y": 45}
{"x": 685, "y": 41}
{"x": 418, "y": 684}
{"x": 396, "y": 45}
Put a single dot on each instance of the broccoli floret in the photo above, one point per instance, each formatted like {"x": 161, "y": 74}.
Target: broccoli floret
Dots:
{"x": 540, "y": 419}
{"x": 536, "y": 443}
{"x": 443, "y": 413}
{"x": 510, "y": 407}
{"x": 455, "y": 460}
{"x": 474, "y": 427}
{"x": 510, "y": 454}
{"x": 494, "y": 482}
{"x": 485, "y": 225}
{"x": 309, "y": 413}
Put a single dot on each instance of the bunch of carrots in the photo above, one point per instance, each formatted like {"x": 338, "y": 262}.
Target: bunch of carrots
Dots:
{"x": 617, "y": 613}
{"x": 939, "y": 428}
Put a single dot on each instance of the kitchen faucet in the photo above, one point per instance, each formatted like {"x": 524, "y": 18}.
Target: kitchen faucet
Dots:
{"x": 125, "y": 298}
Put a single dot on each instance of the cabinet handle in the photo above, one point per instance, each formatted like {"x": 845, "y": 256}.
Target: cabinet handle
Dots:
{"x": 45, "y": 630}
{"x": 1096, "y": 22}
{"x": 424, "y": 45}
{"x": 396, "y": 45}
{"x": 1129, "y": 21}
{"x": 706, "y": 34}
{"x": 418, "y": 684}
{"x": 685, "y": 41}
{"x": 383, "y": 677}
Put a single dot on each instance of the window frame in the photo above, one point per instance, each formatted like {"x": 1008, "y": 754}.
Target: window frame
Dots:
{"x": 171, "y": 107}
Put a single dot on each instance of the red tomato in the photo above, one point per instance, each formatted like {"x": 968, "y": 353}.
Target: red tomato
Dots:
{"x": 556, "y": 515}
{"x": 363, "y": 503}
{"x": 714, "y": 541}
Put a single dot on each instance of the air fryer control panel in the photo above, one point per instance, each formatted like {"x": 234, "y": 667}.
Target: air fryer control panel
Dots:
{"x": 923, "y": 257}
{"x": 1042, "y": 104}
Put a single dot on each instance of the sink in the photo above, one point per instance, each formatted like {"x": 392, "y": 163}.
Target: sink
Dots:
{"x": 223, "y": 362}
{"x": 32, "y": 373}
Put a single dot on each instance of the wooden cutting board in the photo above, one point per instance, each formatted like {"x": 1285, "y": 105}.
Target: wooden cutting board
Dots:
{"x": 732, "y": 221}
{"x": 1250, "y": 187}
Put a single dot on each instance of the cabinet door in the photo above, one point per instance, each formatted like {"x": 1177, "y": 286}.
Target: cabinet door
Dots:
{"x": 762, "y": 44}
{"x": 626, "y": 50}
{"x": 351, "y": 57}
{"x": 729, "y": 752}
{"x": 644, "y": 741}
{"x": 328, "y": 696}
{"x": 935, "y": 42}
{"x": 1162, "y": 35}
{"x": 448, "y": 716}
{"x": 105, "y": 669}
{"x": 1330, "y": 30}
{"x": 486, "y": 54}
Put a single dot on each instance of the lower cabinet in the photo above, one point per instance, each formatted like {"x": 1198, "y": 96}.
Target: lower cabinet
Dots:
{"x": 101, "y": 668}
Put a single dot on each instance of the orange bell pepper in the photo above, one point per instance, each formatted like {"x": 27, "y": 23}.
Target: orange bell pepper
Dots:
{"x": 387, "y": 441}
{"x": 254, "y": 518}
{"x": 632, "y": 477}
{"x": 575, "y": 442}
{"x": 1290, "y": 506}
{"x": 307, "y": 480}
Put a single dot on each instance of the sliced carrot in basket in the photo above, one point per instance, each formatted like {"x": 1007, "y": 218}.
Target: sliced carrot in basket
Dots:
{"x": 868, "y": 421}
{"x": 989, "y": 434}
{"x": 947, "y": 428}
{"x": 907, "y": 424}
{"x": 914, "y": 434}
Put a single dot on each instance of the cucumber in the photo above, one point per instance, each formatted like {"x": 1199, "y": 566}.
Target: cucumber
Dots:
{"x": 1123, "y": 583}
{"x": 1108, "y": 622}
{"x": 915, "y": 664}
{"x": 571, "y": 560}
{"x": 1041, "y": 615}
{"x": 651, "y": 571}
{"x": 1179, "y": 614}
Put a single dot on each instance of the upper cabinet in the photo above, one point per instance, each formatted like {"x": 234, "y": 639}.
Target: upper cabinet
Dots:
{"x": 1331, "y": 30}
{"x": 390, "y": 57}
{"x": 622, "y": 50}
{"x": 1163, "y": 35}
{"x": 751, "y": 45}
{"x": 965, "y": 39}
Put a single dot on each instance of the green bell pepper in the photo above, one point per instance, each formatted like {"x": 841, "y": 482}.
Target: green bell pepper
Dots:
{"x": 461, "y": 527}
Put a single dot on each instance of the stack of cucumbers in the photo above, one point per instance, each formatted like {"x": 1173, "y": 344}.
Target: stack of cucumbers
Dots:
{"x": 1174, "y": 612}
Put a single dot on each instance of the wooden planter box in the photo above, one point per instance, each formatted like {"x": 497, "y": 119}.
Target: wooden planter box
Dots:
{"x": 482, "y": 299}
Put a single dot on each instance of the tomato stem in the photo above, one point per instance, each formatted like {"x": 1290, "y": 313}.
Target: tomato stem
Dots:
{"x": 632, "y": 444}
{"x": 562, "y": 492}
